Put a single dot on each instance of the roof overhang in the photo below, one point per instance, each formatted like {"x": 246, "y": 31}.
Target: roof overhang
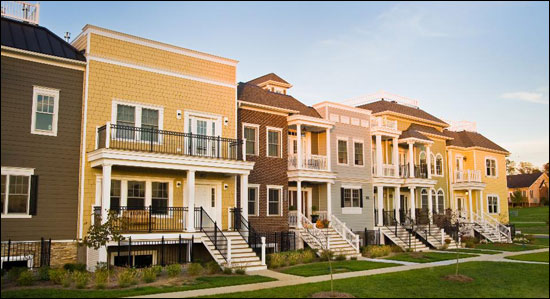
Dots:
{"x": 415, "y": 140}
{"x": 276, "y": 83}
{"x": 266, "y": 107}
{"x": 309, "y": 120}
{"x": 55, "y": 60}
{"x": 479, "y": 148}
{"x": 342, "y": 107}
{"x": 418, "y": 119}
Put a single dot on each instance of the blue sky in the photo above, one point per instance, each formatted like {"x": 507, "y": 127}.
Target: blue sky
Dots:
{"x": 483, "y": 62}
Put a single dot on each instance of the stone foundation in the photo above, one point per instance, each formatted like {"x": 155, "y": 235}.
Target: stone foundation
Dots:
{"x": 63, "y": 253}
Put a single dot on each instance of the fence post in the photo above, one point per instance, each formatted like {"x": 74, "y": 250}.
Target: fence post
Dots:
{"x": 191, "y": 248}
{"x": 150, "y": 217}
{"x": 9, "y": 249}
{"x": 357, "y": 243}
{"x": 179, "y": 249}
{"x": 229, "y": 252}
{"x": 162, "y": 250}
{"x": 41, "y": 251}
{"x": 442, "y": 237}
{"x": 219, "y": 146}
{"x": 263, "y": 251}
{"x": 130, "y": 252}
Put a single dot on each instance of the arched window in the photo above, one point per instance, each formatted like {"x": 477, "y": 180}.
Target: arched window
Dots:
{"x": 422, "y": 159}
{"x": 439, "y": 165}
{"x": 424, "y": 199}
{"x": 440, "y": 202}
{"x": 432, "y": 163}
{"x": 434, "y": 201}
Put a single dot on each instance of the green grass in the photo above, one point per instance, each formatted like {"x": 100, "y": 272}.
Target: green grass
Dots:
{"x": 507, "y": 247}
{"x": 532, "y": 228}
{"x": 474, "y": 251}
{"x": 491, "y": 280}
{"x": 541, "y": 242}
{"x": 426, "y": 257}
{"x": 531, "y": 257}
{"x": 200, "y": 283}
{"x": 534, "y": 214}
{"x": 322, "y": 268}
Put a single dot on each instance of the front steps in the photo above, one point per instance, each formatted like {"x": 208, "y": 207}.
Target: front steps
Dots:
{"x": 489, "y": 233}
{"x": 242, "y": 256}
{"x": 401, "y": 239}
{"x": 336, "y": 244}
{"x": 434, "y": 236}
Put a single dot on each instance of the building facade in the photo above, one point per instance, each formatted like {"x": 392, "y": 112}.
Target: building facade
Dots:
{"x": 533, "y": 188}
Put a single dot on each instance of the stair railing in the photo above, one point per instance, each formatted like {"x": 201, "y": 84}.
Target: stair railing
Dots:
{"x": 243, "y": 227}
{"x": 393, "y": 227}
{"x": 345, "y": 232}
{"x": 501, "y": 230}
{"x": 318, "y": 235}
{"x": 210, "y": 228}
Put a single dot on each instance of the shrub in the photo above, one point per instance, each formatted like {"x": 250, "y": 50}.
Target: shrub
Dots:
{"x": 240, "y": 271}
{"x": 340, "y": 257}
{"x": 56, "y": 275}
{"x": 194, "y": 269}
{"x": 25, "y": 278}
{"x": 353, "y": 258}
{"x": 67, "y": 280}
{"x": 373, "y": 251}
{"x": 227, "y": 271}
{"x": 212, "y": 267}
{"x": 447, "y": 241}
{"x": 148, "y": 275}
{"x": 326, "y": 255}
{"x": 81, "y": 279}
{"x": 102, "y": 266}
{"x": 157, "y": 270}
{"x": 44, "y": 273}
{"x": 13, "y": 273}
{"x": 128, "y": 277}
{"x": 469, "y": 242}
{"x": 294, "y": 258}
{"x": 72, "y": 267}
{"x": 275, "y": 260}
{"x": 308, "y": 256}
{"x": 100, "y": 278}
{"x": 173, "y": 270}
{"x": 396, "y": 249}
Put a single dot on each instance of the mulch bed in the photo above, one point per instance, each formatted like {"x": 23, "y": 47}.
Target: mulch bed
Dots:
{"x": 458, "y": 278}
{"x": 332, "y": 295}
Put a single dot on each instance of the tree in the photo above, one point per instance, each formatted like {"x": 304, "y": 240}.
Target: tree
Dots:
{"x": 99, "y": 234}
{"x": 517, "y": 198}
{"x": 527, "y": 168}
{"x": 545, "y": 167}
{"x": 510, "y": 167}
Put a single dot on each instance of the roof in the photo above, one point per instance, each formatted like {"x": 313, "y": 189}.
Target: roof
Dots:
{"x": 383, "y": 106}
{"x": 254, "y": 94}
{"x": 427, "y": 130}
{"x": 411, "y": 133}
{"x": 34, "y": 38}
{"x": 522, "y": 180}
{"x": 471, "y": 139}
{"x": 268, "y": 77}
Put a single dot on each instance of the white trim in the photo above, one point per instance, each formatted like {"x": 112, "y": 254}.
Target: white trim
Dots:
{"x": 437, "y": 197}
{"x": 346, "y": 139}
{"x": 257, "y": 199}
{"x": 84, "y": 129}
{"x": 256, "y": 137}
{"x": 341, "y": 107}
{"x": 280, "y": 130}
{"x": 485, "y": 167}
{"x": 45, "y": 91}
{"x": 363, "y": 147}
{"x": 352, "y": 210}
{"x": 192, "y": 114}
{"x": 137, "y": 115}
{"x": 281, "y": 189}
{"x": 43, "y": 58}
{"x": 16, "y": 171}
{"x": 442, "y": 165}
{"x": 487, "y": 203}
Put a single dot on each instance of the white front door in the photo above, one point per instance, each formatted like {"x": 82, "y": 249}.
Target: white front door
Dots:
{"x": 206, "y": 196}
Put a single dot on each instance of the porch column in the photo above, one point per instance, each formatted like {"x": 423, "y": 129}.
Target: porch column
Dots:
{"x": 470, "y": 205}
{"x": 481, "y": 204}
{"x": 244, "y": 196}
{"x": 413, "y": 204}
{"x": 329, "y": 200}
{"x": 397, "y": 203}
{"x": 299, "y": 145}
{"x": 378, "y": 155}
{"x": 429, "y": 160}
{"x": 380, "y": 199}
{"x": 329, "y": 149}
{"x": 106, "y": 192}
{"x": 411, "y": 159}
{"x": 395, "y": 156}
{"x": 191, "y": 200}
{"x": 431, "y": 192}
{"x": 299, "y": 203}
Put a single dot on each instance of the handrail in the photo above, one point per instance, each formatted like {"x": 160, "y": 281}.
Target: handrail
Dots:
{"x": 469, "y": 175}
{"x": 216, "y": 236}
{"x": 345, "y": 232}
{"x": 500, "y": 229}
{"x": 312, "y": 229}
{"x": 242, "y": 226}
{"x": 395, "y": 225}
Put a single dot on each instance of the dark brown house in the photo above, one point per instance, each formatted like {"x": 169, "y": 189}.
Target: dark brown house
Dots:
{"x": 42, "y": 84}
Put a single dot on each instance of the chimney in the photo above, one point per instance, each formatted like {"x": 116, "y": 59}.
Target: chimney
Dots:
{"x": 67, "y": 36}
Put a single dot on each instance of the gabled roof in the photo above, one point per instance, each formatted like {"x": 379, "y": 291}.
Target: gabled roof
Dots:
{"x": 268, "y": 77}
{"x": 391, "y": 106}
{"x": 413, "y": 134}
{"x": 427, "y": 130}
{"x": 468, "y": 139}
{"x": 34, "y": 38}
{"x": 522, "y": 180}
{"x": 251, "y": 93}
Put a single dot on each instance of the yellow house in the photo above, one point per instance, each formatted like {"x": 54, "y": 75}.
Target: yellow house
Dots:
{"x": 159, "y": 143}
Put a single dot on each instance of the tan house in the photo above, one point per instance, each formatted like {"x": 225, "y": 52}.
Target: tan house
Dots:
{"x": 533, "y": 187}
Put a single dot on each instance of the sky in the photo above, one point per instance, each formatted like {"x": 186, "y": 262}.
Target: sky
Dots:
{"x": 482, "y": 62}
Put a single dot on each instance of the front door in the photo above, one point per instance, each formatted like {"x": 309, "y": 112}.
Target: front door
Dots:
{"x": 460, "y": 206}
{"x": 293, "y": 197}
{"x": 206, "y": 197}
{"x": 203, "y": 129}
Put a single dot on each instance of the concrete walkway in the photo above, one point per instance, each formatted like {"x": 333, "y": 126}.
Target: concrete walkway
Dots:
{"x": 290, "y": 280}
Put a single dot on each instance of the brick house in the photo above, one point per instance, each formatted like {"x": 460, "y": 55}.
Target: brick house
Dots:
{"x": 533, "y": 187}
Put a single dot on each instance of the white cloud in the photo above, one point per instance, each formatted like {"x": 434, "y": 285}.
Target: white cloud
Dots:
{"x": 540, "y": 96}
{"x": 534, "y": 151}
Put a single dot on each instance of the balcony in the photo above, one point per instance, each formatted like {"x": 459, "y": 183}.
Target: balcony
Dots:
{"x": 22, "y": 11}
{"x": 309, "y": 162}
{"x": 388, "y": 171}
{"x": 384, "y": 126}
{"x": 119, "y": 137}
{"x": 468, "y": 176}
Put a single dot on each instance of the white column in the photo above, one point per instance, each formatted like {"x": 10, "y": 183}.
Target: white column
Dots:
{"x": 106, "y": 192}
{"x": 328, "y": 150}
{"x": 329, "y": 200}
{"x": 299, "y": 145}
{"x": 191, "y": 201}
{"x": 229, "y": 251}
{"x": 470, "y": 207}
{"x": 411, "y": 160}
{"x": 396, "y": 156}
{"x": 413, "y": 204}
{"x": 263, "y": 250}
{"x": 380, "y": 199}
{"x": 397, "y": 203}
{"x": 481, "y": 204}
{"x": 379, "y": 155}
{"x": 429, "y": 160}
{"x": 299, "y": 203}
{"x": 244, "y": 195}
{"x": 430, "y": 203}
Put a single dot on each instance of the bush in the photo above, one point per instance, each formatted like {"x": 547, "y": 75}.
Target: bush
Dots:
{"x": 240, "y": 271}
{"x": 14, "y": 273}
{"x": 148, "y": 275}
{"x": 212, "y": 268}
{"x": 276, "y": 260}
{"x": 469, "y": 242}
{"x": 44, "y": 273}
{"x": 340, "y": 257}
{"x": 227, "y": 271}
{"x": 100, "y": 278}
{"x": 157, "y": 270}
{"x": 194, "y": 269}
{"x": 373, "y": 251}
{"x": 81, "y": 279}
{"x": 56, "y": 275}
{"x": 25, "y": 278}
{"x": 353, "y": 258}
{"x": 67, "y": 280}
{"x": 72, "y": 267}
{"x": 294, "y": 258}
{"x": 173, "y": 270}
{"x": 308, "y": 256}
{"x": 326, "y": 255}
{"x": 128, "y": 277}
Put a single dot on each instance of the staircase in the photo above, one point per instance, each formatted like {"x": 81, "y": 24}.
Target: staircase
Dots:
{"x": 491, "y": 229}
{"x": 433, "y": 236}
{"x": 241, "y": 257}
{"x": 400, "y": 236}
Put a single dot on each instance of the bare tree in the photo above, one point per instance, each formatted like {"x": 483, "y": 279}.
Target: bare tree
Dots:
{"x": 527, "y": 168}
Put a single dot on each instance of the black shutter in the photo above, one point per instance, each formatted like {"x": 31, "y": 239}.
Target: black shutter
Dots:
{"x": 361, "y": 197}
{"x": 33, "y": 203}
{"x": 341, "y": 197}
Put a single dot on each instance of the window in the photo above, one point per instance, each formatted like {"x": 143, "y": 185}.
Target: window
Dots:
{"x": 213, "y": 197}
{"x": 159, "y": 198}
{"x": 251, "y": 135}
{"x": 45, "y": 108}
{"x": 149, "y": 124}
{"x": 274, "y": 201}
{"x": 342, "y": 152}
{"x": 440, "y": 201}
{"x": 273, "y": 143}
{"x": 252, "y": 200}
{"x": 438, "y": 165}
{"x": 15, "y": 194}
{"x": 352, "y": 198}
{"x": 530, "y": 193}
{"x": 424, "y": 199}
{"x": 136, "y": 121}
{"x": 115, "y": 195}
{"x": 136, "y": 195}
{"x": 490, "y": 167}
{"x": 125, "y": 120}
{"x": 434, "y": 201}
{"x": 492, "y": 204}
{"x": 432, "y": 164}
{"x": 358, "y": 152}
{"x": 4, "y": 178}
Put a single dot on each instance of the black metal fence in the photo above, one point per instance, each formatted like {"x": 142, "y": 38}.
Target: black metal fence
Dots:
{"x": 274, "y": 242}
{"x": 371, "y": 237}
{"x": 140, "y": 254}
{"x": 147, "y": 219}
{"x": 31, "y": 254}
{"x": 168, "y": 142}
{"x": 213, "y": 232}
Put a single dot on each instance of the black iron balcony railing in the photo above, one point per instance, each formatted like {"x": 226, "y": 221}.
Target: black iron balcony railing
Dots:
{"x": 421, "y": 171}
{"x": 167, "y": 142}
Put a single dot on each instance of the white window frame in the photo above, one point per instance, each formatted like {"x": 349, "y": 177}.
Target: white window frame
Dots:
{"x": 190, "y": 114}
{"x": 257, "y": 137}
{"x": 437, "y": 197}
{"x": 256, "y": 200}
{"x": 139, "y": 107}
{"x": 498, "y": 203}
{"x": 280, "y": 153}
{"x": 496, "y": 167}
{"x": 16, "y": 171}
{"x": 338, "y": 139}
{"x": 280, "y": 188}
{"x": 363, "y": 147}
{"x": 442, "y": 165}
{"x": 39, "y": 90}
{"x": 353, "y": 210}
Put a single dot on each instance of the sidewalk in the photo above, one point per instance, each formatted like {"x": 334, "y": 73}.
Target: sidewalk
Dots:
{"x": 289, "y": 280}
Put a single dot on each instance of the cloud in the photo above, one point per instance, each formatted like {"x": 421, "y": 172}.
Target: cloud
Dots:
{"x": 539, "y": 96}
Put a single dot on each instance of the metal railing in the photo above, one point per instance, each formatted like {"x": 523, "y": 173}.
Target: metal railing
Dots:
{"x": 467, "y": 176}
{"x": 140, "y": 254}
{"x": 242, "y": 226}
{"x": 312, "y": 162}
{"x": 213, "y": 232}
{"x": 30, "y": 254}
{"x": 148, "y": 219}
{"x": 22, "y": 11}
{"x": 168, "y": 142}
{"x": 345, "y": 232}
{"x": 421, "y": 171}
{"x": 274, "y": 241}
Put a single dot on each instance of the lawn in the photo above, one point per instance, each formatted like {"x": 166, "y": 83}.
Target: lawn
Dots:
{"x": 507, "y": 247}
{"x": 531, "y": 257}
{"x": 200, "y": 283}
{"x": 522, "y": 217}
{"x": 491, "y": 279}
{"x": 541, "y": 242}
{"x": 426, "y": 257}
{"x": 474, "y": 251}
{"x": 532, "y": 228}
{"x": 322, "y": 268}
